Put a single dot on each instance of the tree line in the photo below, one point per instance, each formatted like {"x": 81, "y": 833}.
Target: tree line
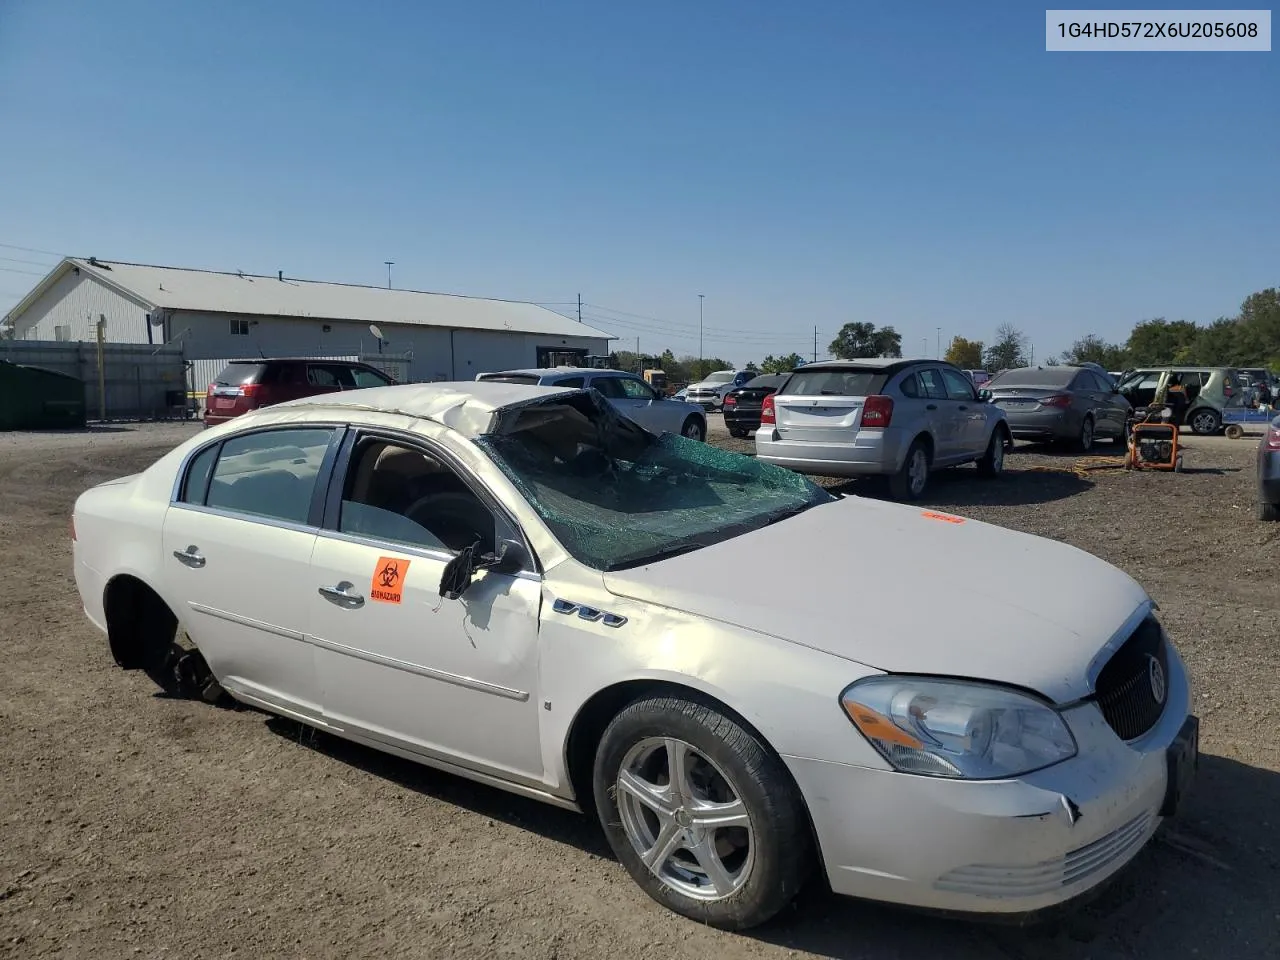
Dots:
{"x": 1249, "y": 339}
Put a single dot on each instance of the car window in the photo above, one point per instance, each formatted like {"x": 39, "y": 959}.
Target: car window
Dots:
{"x": 570, "y": 383}
{"x": 841, "y": 382}
{"x": 910, "y": 386}
{"x": 616, "y": 496}
{"x": 931, "y": 384}
{"x": 402, "y": 494}
{"x": 1104, "y": 384}
{"x": 635, "y": 389}
{"x": 271, "y": 473}
{"x": 234, "y": 374}
{"x": 959, "y": 387}
{"x": 196, "y": 484}
{"x": 365, "y": 377}
{"x": 1083, "y": 381}
{"x": 609, "y": 387}
{"x": 322, "y": 376}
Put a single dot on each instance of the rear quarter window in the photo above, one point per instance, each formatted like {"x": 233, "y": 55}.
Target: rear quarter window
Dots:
{"x": 234, "y": 374}
{"x": 526, "y": 378}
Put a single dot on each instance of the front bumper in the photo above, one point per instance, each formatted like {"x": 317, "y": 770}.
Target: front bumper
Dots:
{"x": 1006, "y": 846}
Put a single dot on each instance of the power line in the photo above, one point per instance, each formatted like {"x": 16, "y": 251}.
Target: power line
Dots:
{"x": 34, "y": 263}
{"x": 47, "y": 253}
{"x": 30, "y": 273}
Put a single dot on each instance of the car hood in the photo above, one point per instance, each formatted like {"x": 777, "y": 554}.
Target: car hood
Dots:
{"x": 899, "y": 589}
{"x": 708, "y": 385}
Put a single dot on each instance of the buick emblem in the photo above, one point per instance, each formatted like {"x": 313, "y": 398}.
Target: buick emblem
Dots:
{"x": 1155, "y": 674}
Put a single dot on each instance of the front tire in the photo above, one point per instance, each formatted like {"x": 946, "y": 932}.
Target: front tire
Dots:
{"x": 1205, "y": 422}
{"x": 912, "y": 478}
{"x": 724, "y": 841}
{"x": 694, "y": 429}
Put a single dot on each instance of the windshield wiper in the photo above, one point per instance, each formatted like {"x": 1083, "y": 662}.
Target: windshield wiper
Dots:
{"x": 661, "y": 553}
{"x": 788, "y": 513}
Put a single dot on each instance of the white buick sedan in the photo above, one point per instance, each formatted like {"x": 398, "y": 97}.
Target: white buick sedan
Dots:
{"x": 742, "y": 676}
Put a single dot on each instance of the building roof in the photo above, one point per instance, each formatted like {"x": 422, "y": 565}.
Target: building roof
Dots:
{"x": 467, "y": 406}
{"x": 178, "y": 288}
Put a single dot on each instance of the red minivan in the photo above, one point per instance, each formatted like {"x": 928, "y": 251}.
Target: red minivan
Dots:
{"x": 248, "y": 384}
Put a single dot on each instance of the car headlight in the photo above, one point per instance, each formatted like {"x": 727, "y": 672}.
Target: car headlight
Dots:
{"x": 950, "y": 728}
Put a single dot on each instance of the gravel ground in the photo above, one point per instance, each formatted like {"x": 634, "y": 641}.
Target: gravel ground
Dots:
{"x": 133, "y": 825}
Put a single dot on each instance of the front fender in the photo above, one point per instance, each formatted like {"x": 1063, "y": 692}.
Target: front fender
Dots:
{"x": 788, "y": 693}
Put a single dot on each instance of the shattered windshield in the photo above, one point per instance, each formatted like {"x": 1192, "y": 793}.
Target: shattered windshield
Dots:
{"x": 617, "y": 496}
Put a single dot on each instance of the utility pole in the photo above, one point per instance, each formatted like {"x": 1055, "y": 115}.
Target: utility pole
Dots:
{"x": 815, "y": 343}
{"x": 390, "y": 264}
{"x": 699, "y": 336}
{"x": 938, "y": 355}
{"x": 579, "y": 308}
{"x": 924, "y": 346}
{"x": 639, "y": 362}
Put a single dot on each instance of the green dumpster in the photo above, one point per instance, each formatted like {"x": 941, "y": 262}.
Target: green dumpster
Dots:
{"x": 33, "y": 398}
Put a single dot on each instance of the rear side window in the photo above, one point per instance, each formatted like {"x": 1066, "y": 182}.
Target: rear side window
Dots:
{"x": 235, "y": 374}
{"x": 269, "y": 474}
{"x": 931, "y": 384}
{"x": 835, "y": 383}
{"x": 198, "y": 472}
{"x": 910, "y": 386}
{"x": 570, "y": 383}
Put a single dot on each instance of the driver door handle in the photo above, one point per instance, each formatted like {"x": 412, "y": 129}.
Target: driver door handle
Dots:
{"x": 931, "y": 406}
{"x": 343, "y": 596}
{"x": 191, "y": 556}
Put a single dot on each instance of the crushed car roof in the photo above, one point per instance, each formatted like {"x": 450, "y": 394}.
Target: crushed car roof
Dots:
{"x": 467, "y": 406}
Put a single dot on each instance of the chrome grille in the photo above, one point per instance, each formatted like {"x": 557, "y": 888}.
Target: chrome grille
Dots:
{"x": 1124, "y": 691}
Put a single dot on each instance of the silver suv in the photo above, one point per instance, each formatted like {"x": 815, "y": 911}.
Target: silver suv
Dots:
{"x": 896, "y": 418}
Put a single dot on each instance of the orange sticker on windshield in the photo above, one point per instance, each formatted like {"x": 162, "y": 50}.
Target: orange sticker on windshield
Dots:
{"x": 388, "y": 579}
{"x": 944, "y": 517}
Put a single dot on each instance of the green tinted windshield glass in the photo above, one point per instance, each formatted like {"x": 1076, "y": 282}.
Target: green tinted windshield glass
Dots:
{"x": 616, "y": 496}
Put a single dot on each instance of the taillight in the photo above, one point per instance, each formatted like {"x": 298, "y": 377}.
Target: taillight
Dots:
{"x": 877, "y": 411}
{"x": 731, "y": 401}
{"x": 767, "y": 412}
{"x": 250, "y": 390}
{"x": 1273, "y": 439}
{"x": 1060, "y": 401}
{"x": 209, "y": 390}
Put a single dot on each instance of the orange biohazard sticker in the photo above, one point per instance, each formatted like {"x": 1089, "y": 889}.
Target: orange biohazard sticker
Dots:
{"x": 388, "y": 579}
{"x": 944, "y": 517}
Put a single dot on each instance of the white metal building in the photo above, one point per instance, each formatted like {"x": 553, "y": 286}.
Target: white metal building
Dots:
{"x": 218, "y": 316}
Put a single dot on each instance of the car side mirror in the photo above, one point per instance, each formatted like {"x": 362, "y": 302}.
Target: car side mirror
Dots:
{"x": 461, "y": 570}
{"x": 984, "y": 395}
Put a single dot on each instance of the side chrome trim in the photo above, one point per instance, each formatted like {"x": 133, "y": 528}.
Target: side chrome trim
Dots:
{"x": 400, "y": 748}
{"x": 263, "y": 701}
{"x": 246, "y": 621}
{"x": 590, "y": 614}
{"x": 246, "y": 517}
{"x": 470, "y": 683}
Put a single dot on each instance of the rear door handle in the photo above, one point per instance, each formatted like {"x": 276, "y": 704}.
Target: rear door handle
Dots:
{"x": 963, "y": 407}
{"x": 931, "y": 406}
{"x": 343, "y": 596}
{"x": 191, "y": 556}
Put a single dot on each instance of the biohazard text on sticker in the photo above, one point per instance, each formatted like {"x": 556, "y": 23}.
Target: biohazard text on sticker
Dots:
{"x": 388, "y": 579}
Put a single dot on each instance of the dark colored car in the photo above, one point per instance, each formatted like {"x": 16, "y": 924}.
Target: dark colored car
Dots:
{"x": 1060, "y": 404}
{"x": 246, "y": 385}
{"x": 742, "y": 405}
{"x": 1269, "y": 473}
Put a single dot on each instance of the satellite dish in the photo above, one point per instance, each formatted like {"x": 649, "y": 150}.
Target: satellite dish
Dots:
{"x": 373, "y": 328}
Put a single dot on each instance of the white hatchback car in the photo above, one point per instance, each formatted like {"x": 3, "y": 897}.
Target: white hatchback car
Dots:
{"x": 518, "y": 585}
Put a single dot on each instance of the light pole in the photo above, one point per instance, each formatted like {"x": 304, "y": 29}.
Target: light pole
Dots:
{"x": 390, "y": 264}
{"x": 938, "y": 356}
{"x": 700, "y": 336}
{"x": 924, "y": 346}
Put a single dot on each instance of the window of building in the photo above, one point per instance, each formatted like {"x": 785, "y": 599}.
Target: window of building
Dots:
{"x": 62, "y": 332}
{"x": 239, "y": 328}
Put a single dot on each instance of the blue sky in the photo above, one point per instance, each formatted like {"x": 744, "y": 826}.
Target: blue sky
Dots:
{"x": 922, "y": 165}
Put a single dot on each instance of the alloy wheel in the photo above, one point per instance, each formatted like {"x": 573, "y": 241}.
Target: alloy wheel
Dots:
{"x": 918, "y": 472}
{"x": 685, "y": 819}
